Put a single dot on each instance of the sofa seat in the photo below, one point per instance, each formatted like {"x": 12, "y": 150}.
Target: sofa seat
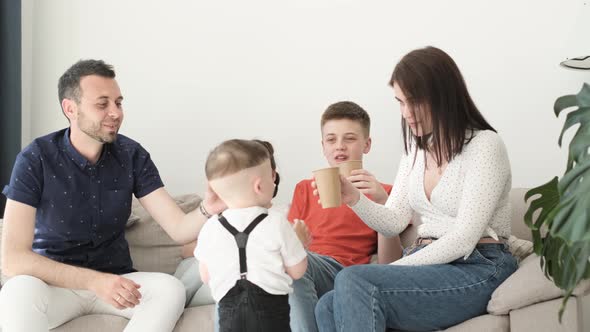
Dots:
{"x": 152, "y": 250}
{"x": 193, "y": 319}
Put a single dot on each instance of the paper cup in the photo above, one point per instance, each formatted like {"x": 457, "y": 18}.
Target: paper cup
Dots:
{"x": 327, "y": 181}
{"x": 349, "y": 166}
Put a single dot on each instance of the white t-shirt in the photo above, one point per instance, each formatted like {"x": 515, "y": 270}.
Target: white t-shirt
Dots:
{"x": 470, "y": 201}
{"x": 272, "y": 246}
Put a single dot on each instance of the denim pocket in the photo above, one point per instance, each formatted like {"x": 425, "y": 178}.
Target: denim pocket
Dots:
{"x": 481, "y": 257}
{"x": 412, "y": 249}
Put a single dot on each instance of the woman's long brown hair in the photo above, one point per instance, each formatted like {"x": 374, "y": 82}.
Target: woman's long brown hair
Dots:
{"x": 431, "y": 80}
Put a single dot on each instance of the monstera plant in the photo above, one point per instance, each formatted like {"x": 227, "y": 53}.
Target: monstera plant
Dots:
{"x": 559, "y": 214}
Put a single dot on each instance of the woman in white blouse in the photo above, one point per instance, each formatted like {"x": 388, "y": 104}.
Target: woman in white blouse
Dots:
{"x": 455, "y": 176}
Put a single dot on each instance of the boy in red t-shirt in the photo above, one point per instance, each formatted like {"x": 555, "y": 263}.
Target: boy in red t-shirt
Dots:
{"x": 336, "y": 237}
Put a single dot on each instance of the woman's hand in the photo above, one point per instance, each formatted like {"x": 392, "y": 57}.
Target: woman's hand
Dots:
{"x": 368, "y": 185}
{"x": 350, "y": 195}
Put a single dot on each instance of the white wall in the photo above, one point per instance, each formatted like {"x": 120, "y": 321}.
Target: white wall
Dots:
{"x": 194, "y": 73}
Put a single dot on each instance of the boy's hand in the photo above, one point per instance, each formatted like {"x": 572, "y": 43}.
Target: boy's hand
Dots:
{"x": 350, "y": 195}
{"x": 213, "y": 204}
{"x": 302, "y": 232}
{"x": 368, "y": 185}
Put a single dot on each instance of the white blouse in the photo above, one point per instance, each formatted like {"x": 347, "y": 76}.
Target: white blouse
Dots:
{"x": 470, "y": 201}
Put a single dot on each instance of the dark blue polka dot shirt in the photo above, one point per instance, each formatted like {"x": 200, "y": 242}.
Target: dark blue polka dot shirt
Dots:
{"x": 82, "y": 208}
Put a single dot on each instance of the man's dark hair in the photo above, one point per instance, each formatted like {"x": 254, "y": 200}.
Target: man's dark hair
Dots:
{"x": 68, "y": 85}
{"x": 431, "y": 80}
{"x": 350, "y": 111}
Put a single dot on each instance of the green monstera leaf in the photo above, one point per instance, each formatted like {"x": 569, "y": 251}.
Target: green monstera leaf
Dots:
{"x": 559, "y": 216}
{"x": 546, "y": 203}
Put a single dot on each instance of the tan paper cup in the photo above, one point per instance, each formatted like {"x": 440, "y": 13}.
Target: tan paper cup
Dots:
{"x": 349, "y": 166}
{"x": 327, "y": 181}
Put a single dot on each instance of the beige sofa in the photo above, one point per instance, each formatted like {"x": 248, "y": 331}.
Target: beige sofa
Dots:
{"x": 524, "y": 302}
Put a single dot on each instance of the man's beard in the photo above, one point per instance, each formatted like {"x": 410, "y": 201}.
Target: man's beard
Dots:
{"x": 93, "y": 132}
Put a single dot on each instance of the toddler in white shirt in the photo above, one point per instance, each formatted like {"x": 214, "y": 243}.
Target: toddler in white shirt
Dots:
{"x": 248, "y": 255}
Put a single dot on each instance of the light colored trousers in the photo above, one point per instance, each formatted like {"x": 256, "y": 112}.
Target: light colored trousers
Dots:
{"x": 29, "y": 304}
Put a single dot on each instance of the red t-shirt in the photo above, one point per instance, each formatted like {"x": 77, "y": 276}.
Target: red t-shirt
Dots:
{"x": 336, "y": 232}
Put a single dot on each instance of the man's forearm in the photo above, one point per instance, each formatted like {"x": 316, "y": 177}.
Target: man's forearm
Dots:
{"x": 181, "y": 227}
{"x": 52, "y": 272}
{"x": 188, "y": 230}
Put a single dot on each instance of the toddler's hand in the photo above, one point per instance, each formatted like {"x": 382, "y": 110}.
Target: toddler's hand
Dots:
{"x": 302, "y": 232}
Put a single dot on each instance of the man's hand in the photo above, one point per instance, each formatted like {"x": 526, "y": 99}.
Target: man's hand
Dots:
{"x": 118, "y": 291}
{"x": 302, "y": 232}
{"x": 213, "y": 204}
{"x": 368, "y": 185}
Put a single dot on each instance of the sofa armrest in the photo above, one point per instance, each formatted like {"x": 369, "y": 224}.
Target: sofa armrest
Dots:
{"x": 526, "y": 286}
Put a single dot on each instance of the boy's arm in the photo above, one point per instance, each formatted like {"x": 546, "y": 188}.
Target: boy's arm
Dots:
{"x": 368, "y": 185}
{"x": 296, "y": 214}
{"x": 298, "y": 270}
{"x": 302, "y": 232}
{"x": 292, "y": 251}
{"x": 389, "y": 249}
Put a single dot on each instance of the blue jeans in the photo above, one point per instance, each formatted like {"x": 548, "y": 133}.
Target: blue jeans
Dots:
{"x": 317, "y": 280}
{"x": 415, "y": 298}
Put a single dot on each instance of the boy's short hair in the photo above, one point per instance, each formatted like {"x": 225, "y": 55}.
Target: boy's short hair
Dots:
{"x": 347, "y": 110}
{"x": 271, "y": 152}
{"x": 233, "y": 156}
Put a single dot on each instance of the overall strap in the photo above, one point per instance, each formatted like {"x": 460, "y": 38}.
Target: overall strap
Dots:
{"x": 242, "y": 239}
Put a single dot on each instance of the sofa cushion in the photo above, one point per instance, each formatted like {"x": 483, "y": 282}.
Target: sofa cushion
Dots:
{"x": 483, "y": 323}
{"x": 519, "y": 248}
{"x": 133, "y": 218}
{"x": 152, "y": 250}
{"x": 193, "y": 319}
{"x": 196, "y": 319}
{"x": 544, "y": 317}
{"x": 526, "y": 286}
{"x": 93, "y": 323}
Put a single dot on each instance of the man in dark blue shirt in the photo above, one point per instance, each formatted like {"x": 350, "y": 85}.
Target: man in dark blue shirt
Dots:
{"x": 69, "y": 199}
